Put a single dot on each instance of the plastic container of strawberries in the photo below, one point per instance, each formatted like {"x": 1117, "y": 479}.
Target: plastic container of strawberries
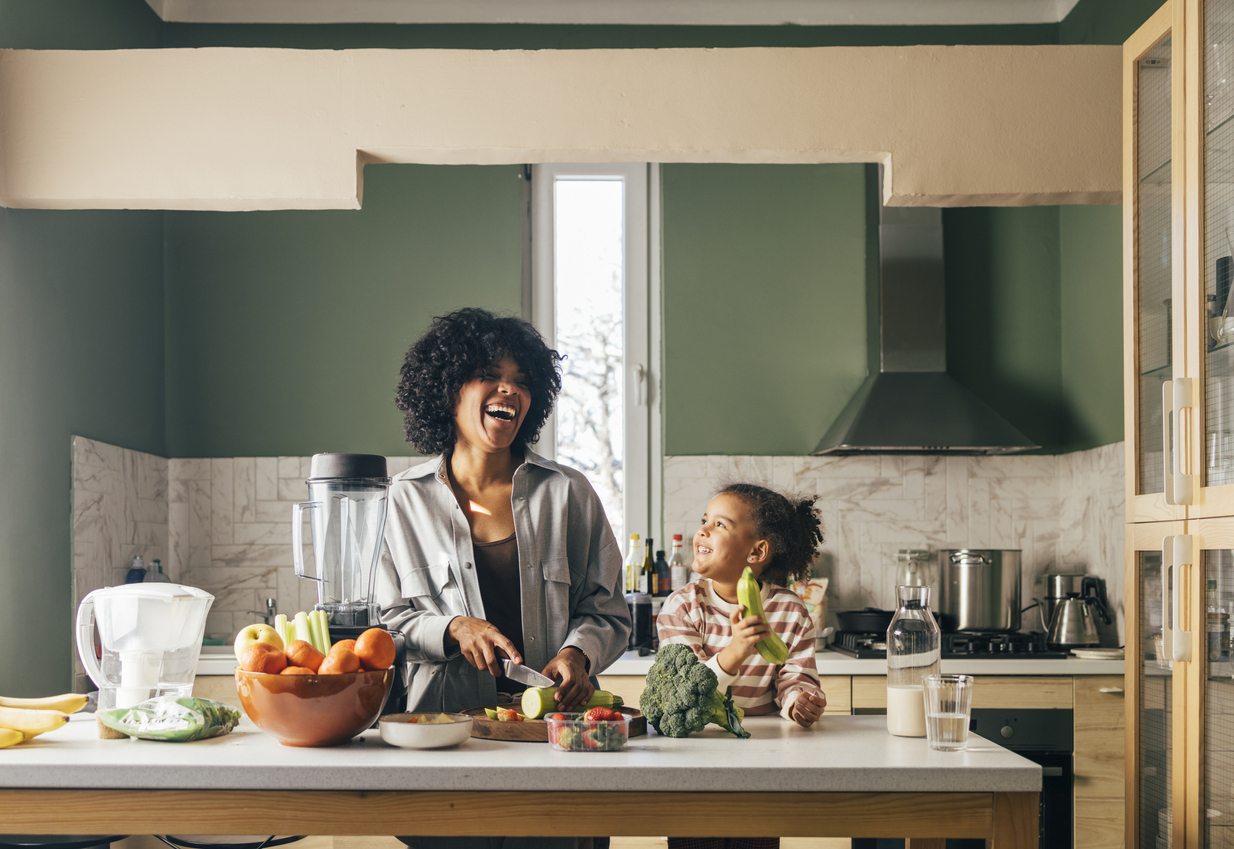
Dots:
{"x": 572, "y": 732}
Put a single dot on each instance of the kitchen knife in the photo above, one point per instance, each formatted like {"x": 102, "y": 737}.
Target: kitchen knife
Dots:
{"x": 525, "y": 674}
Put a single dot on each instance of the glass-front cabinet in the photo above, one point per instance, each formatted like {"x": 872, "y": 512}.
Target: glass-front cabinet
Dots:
{"x": 1156, "y": 689}
{"x": 1154, "y": 290}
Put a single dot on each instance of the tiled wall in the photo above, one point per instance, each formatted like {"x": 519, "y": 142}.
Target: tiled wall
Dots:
{"x": 225, "y": 524}
{"x": 1065, "y": 513}
{"x": 119, "y": 510}
{"x": 230, "y": 530}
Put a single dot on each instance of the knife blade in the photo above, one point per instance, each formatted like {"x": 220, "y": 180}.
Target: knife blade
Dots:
{"x": 525, "y": 674}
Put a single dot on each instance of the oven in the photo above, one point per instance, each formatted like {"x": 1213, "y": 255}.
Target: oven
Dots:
{"x": 1045, "y": 738}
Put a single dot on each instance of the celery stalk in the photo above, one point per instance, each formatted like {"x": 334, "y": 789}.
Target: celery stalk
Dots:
{"x": 323, "y": 631}
{"x": 304, "y": 631}
{"x": 280, "y": 625}
{"x": 315, "y": 625}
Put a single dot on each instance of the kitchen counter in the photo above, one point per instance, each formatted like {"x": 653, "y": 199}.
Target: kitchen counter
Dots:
{"x": 840, "y": 753}
{"x": 844, "y": 777}
{"x": 221, "y": 661}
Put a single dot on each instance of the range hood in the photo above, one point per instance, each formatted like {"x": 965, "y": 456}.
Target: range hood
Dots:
{"x": 909, "y": 404}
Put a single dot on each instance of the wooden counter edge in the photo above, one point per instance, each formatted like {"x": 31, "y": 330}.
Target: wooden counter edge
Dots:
{"x": 1004, "y": 818}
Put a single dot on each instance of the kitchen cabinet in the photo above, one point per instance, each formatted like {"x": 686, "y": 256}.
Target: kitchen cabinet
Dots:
{"x": 1178, "y": 110}
{"x": 1178, "y": 237}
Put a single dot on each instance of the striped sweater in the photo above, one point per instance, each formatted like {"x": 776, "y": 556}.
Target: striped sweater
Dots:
{"x": 696, "y": 616}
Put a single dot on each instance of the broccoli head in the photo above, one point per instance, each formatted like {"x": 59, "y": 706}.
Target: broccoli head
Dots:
{"x": 681, "y": 696}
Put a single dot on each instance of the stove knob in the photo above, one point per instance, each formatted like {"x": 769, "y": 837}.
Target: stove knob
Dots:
{"x": 1008, "y": 648}
{"x": 1007, "y": 731}
{"x": 991, "y": 648}
{"x": 1032, "y": 648}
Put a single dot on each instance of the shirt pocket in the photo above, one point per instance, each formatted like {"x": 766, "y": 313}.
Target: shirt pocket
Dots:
{"x": 431, "y": 587}
{"x": 557, "y": 606}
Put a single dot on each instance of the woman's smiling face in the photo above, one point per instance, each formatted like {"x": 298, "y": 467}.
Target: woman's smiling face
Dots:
{"x": 491, "y": 407}
{"x": 725, "y": 541}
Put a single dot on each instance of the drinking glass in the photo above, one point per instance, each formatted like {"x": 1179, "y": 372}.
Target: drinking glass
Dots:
{"x": 948, "y": 704}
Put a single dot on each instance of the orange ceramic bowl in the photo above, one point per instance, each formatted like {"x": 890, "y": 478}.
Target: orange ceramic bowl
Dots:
{"x": 314, "y": 710}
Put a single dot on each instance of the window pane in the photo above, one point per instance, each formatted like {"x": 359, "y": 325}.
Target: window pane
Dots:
{"x": 590, "y": 277}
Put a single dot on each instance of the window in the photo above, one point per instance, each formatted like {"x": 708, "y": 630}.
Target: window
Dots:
{"x": 594, "y": 296}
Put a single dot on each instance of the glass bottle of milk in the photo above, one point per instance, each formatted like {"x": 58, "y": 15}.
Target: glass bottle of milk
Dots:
{"x": 914, "y": 645}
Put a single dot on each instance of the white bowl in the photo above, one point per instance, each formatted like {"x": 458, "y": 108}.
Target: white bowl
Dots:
{"x": 397, "y": 729}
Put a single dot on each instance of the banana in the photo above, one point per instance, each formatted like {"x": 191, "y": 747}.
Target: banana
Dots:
{"x": 9, "y": 737}
{"x": 772, "y": 648}
{"x": 31, "y": 723}
{"x": 65, "y": 703}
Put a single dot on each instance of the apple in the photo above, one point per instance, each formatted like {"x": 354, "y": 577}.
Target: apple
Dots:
{"x": 259, "y": 633}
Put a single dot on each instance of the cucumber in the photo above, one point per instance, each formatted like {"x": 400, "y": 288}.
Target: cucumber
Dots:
{"x": 771, "y": 648}
{"x": 538, "y": 701}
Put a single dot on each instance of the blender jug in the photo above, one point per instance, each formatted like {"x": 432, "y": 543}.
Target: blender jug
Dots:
{"x": 150, "y": 636}
{"x": 347, "y": 516}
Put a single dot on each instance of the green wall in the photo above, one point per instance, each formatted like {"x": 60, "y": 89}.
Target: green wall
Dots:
{"x": 764, "y": 270}
{"x": 286, "y": 330}
{"x": 81, "y": 352}
{"x": 1091, "y": 261}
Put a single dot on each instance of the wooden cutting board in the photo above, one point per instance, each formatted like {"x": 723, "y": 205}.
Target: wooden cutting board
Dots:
{"x": 533, "y": 730}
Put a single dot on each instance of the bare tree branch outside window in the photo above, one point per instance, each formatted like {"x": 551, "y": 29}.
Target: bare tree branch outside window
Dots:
{"x": 589, "y": 276}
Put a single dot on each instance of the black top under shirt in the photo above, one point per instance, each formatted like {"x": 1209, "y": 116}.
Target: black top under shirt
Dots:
{"x": 502, "y": 595}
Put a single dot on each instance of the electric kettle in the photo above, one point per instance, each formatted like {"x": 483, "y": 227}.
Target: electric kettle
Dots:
{"x": 1074, "y": 623}
{"x": 149, "y": 636}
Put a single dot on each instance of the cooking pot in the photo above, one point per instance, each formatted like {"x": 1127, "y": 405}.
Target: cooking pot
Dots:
{"x": 870, "y": 620}
{"x": 980, "y": 589}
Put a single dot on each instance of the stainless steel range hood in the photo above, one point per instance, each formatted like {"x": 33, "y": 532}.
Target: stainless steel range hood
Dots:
{"x": 909, "y": 404}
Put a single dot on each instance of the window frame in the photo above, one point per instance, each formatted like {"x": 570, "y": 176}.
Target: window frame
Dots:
{"x": 643, "y": 453}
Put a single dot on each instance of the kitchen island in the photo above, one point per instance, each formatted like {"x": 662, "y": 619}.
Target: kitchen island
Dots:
{"x": 846, "y": 777}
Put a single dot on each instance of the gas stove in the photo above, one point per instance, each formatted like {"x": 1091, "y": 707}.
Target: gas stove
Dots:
{"x": 959, "y": 644}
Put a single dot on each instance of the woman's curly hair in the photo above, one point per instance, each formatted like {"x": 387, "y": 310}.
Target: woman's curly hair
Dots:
{"x": 450, "y": 353}
{"x": 792, "y": 526}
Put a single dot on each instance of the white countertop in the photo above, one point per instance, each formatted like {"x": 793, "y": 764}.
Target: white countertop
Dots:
{"x": 840, "y": 753}
{"x": 219, "y": 660}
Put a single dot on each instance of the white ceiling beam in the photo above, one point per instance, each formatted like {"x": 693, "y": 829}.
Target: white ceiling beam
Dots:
{"x": 671, "y": 12}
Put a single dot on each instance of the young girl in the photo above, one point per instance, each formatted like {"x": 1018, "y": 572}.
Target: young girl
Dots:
{"x": 748, "y": 525}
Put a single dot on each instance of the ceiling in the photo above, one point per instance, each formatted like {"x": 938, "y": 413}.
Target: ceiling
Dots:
{"x": 677, "y": 12}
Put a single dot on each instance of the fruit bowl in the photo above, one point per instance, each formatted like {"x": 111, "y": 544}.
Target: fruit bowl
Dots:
{"x": 314, "y": 710}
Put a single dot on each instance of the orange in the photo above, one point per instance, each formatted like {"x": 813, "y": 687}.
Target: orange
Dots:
{"x": 375, "y": 648}
{"x": 262, "y": 657}
{"x": 350, "y": 645}
{"x": 298, "y": 670}
{"x": 302, "y": 653}
{"x": 339, "y": 661}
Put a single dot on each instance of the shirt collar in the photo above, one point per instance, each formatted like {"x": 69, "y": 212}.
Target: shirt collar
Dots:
{"x": 435, "y": 466}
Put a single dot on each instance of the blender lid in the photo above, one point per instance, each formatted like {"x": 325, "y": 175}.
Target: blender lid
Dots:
{"x": 161, "y": 591}
{"x": 334, "y": 466}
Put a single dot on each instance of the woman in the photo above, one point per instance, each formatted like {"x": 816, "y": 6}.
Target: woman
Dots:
{"x": 491, "y": 551}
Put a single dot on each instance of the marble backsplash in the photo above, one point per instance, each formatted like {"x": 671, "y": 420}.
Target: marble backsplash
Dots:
{"x": 224, "y": 525}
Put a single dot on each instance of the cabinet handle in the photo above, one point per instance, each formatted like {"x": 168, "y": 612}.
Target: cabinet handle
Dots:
{"x": 1182, "y": 558}
{"x": 1111, "y": 690}
{"x": 1167, "y": 565}
{"x": 1175, "y": 398}
{"x": 640, "y": 384}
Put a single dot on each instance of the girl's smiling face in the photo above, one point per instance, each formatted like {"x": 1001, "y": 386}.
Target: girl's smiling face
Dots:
{"x": 491, "y": 406}
{"x": 726, "y": 542}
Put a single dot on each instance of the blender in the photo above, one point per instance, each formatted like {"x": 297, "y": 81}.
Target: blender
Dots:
{"x": 150, "y": 636}
{"x": 347, "y": 520}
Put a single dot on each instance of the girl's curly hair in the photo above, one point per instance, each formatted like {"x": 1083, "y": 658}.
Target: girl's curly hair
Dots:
{"x": 450, "y": 353}
{"x": 792, "y": 526}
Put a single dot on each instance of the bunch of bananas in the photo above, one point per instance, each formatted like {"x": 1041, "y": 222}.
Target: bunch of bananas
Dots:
{"x": 21, "y": 719}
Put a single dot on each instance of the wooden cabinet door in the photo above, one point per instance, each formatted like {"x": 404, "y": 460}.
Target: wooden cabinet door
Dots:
{"x": 1158, "y": 394}
{"x": 1100, "y": 729}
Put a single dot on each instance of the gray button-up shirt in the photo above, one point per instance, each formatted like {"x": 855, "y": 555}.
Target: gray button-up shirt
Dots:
{"x": 570, "y": 568}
